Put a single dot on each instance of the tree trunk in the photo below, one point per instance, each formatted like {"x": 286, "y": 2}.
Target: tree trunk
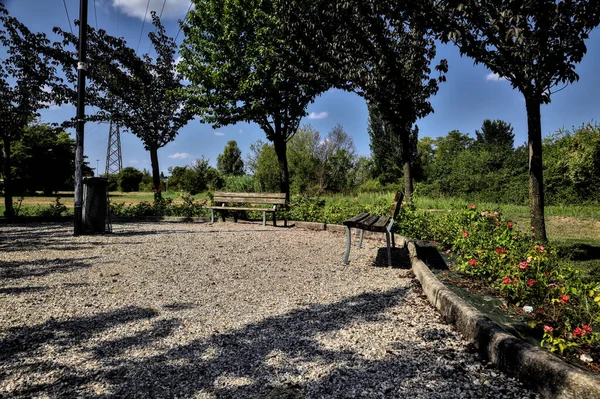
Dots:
{"x": 155, "y": 173}
{"x": 284, "y": 176}
{"x": 8, "y": 198}
{"x": 536, "y": 182}
{"x": 407, "y": 165}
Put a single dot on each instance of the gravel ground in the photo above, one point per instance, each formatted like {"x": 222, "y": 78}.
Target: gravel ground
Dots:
{"x": 222, "y": 311}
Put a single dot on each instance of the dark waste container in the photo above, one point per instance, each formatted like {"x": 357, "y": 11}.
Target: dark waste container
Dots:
{"x": 94, "y": 204}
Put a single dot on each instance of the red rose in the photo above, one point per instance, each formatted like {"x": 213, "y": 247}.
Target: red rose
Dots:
{"x": 548, "y": 329}
{"x": 578, "y": 332}
{"x": 564, "y": 298}
{"x": 506, "y": 280}
{"x": 587, "y": 329}
{"x": 465, "y": 234}
{"x": 472, "y": 262}
{"x": 531, "y": 283}
{"x": 509, "y": 224}
{"x": 472, "y": 206}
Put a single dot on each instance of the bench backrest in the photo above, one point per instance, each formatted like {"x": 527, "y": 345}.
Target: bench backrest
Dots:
{"x": 250, "y": 198}
{"x": 397, "y": 204}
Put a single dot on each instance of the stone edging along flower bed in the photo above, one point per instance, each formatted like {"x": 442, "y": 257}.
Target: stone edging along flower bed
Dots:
{"x": 539, "y": 369}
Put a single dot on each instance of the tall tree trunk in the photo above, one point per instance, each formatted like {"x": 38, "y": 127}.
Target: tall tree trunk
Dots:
{"x": 536, "y": 182}
{"x": 155, "y": 173}
{"x": 8, "y": 198}
{"x": 407, "y": 164}
{"x": 284, "y": 175}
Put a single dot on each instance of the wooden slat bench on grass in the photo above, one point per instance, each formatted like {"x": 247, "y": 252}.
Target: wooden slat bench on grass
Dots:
{"x": 368, "y": 222}
{"x": 253, "y": 202}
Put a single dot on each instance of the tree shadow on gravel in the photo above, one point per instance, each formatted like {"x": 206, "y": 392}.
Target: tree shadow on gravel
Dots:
{"x": 46, "y": 238}
{"x": 42, "y": 267}
{"x": 19, "y": 343}
{"x": 267, "y": 359}
{"x": 21, "y": 290}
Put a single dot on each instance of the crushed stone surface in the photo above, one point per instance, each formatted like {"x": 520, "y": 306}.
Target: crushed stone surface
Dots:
{"x": 224, "y": 310}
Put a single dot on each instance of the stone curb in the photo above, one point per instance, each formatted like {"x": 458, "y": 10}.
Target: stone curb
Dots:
{"x": 547, "y": 374}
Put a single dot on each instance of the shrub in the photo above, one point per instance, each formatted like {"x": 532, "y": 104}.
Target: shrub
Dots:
{"x": 129, "y": 179}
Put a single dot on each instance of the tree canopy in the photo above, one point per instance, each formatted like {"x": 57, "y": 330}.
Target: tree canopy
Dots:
{"x": 139, "y": 93}
{"x": 230, "y": 161}
{"x": 26, "y": 79}
{"x": 244, "y": 66}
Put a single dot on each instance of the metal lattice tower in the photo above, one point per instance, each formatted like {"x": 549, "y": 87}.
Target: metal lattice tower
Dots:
{"x": 114, "y": 161}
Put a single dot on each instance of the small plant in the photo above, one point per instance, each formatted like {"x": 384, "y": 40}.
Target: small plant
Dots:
{"x": 55, "y": 210}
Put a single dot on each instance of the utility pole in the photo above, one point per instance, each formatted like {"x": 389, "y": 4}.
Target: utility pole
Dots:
{"x": 81, "y": 68}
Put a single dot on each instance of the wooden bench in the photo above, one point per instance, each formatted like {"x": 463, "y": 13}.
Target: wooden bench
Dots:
{"x": 234, "y": 202}
{"x": 368, "y": 222}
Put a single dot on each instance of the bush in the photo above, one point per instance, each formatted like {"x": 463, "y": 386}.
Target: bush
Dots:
{"x": 161, "y": 207}
{"x": 241, "y": 184}
{"x": 129, "y": 179}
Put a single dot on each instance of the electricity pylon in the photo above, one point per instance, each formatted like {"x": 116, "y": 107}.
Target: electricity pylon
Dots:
{"x": 114, "y": 161}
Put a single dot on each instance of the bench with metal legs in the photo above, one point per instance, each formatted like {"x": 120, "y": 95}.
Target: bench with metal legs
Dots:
{"x": 367, "y": 222}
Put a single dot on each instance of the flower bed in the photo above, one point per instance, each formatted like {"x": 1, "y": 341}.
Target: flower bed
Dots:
{"x": 550, "y": 292}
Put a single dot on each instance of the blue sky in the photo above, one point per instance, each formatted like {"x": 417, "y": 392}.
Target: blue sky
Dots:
{"x": 470, "y": 95}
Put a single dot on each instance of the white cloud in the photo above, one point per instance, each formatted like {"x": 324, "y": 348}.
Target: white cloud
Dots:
{"x": 219, "y": 133}
{"x": 180, "y": 155}
{"x": 174, "y": 9}
{"x": 320, "y": 115}
{"x": 51, "y": 106}
{"x": 494, "y": 76}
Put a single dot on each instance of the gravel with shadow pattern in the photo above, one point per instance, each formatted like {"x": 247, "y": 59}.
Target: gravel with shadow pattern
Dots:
{"x": 222, "y": 311}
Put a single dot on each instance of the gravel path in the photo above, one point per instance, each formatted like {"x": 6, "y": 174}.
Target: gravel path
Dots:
{"x": 222, "y": 311}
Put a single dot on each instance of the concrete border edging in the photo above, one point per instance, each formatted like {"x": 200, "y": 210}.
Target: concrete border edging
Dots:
{"x": 547, "y": 374}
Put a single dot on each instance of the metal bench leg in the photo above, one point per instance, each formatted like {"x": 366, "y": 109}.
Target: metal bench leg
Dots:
{"x": 212, "y": 215}
{"x": 264, "y": 218}
{"x": 274, "y": 219}
{"x": 348, "y": 242}
{"x": 362, "y": 233}
{"x": 393, "y": 242}
{"x": 389, "y": 250}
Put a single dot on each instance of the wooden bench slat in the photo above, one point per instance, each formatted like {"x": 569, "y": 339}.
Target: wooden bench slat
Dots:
{"x": 355, "y": 219}
{"x": 367, "y": 222}
{"x": 250, "y": 200}
{"x": 250, "y": 195}
{"x": 380, "y": 224}
{"x": 237, "y": 208}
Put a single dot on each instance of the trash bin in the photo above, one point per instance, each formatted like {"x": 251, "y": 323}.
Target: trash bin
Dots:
{"x": 94, "y": 204}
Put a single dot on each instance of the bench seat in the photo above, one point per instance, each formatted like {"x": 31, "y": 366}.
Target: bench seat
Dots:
{"x": 241, "y": 202}
{"x": 376, "y": 223}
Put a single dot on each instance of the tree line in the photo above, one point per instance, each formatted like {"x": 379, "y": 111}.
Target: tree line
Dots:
{"x": 265, "y": 61}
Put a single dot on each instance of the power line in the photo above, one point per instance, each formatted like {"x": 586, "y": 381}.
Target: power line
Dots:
{"x": 184, "y": 18}
{"x": 95, "y": 15}
{"x": 118, "y": 17}
{"x": 68, "y": 18}
{"x": 143, "y": 23}
{"x": 159, "y": 17}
